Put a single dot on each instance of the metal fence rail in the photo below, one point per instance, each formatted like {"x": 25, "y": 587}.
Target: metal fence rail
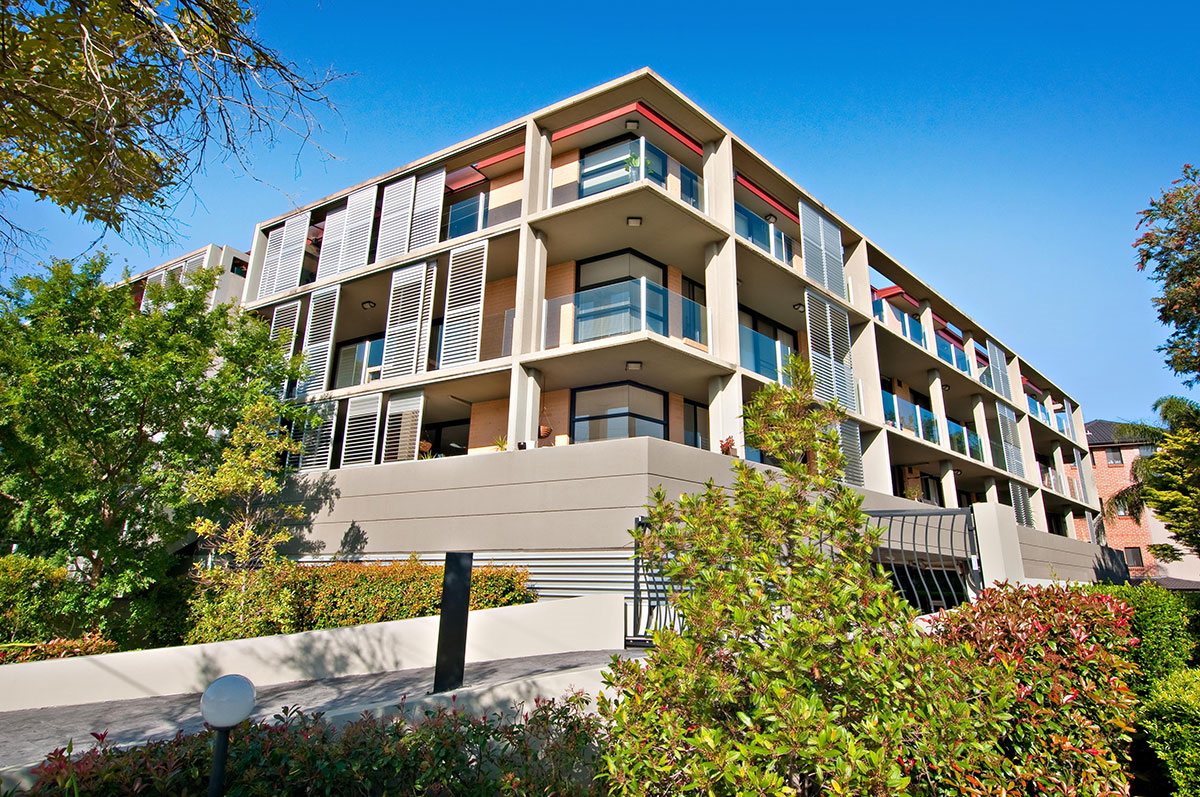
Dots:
{"x": 932, "y": 555}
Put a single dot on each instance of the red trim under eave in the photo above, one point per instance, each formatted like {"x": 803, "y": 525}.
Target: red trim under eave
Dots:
{"x": 764, "y": 196}
{"x": 1026, "y": 383}
{"x": 503, "y": 156}
{"x": 633, "y": 107}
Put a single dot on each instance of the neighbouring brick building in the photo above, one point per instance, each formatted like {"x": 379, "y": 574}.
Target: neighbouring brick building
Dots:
{"x": 1111, "y": 463}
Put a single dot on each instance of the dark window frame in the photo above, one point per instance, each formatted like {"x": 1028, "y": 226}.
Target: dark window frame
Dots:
{"x": 665, "y": 421}
{"x": 1141, "y": 562}
{"x": 1114, "y": 456}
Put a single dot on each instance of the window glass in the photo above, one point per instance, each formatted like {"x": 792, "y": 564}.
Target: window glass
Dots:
{"x": 1133, "y": 557}
{"x": 695, "y": 425}
{"x": 467, "y": 216}
{"x": 602, "y": 401}
{"x": 611, "y": 413}
{"x": 1114, "y": 456}
{"x": 349, "y": 365}
{"x": 616, "y": 268}
{"x": 656, "y": 164}
{"x": 689, "y": 187}
{"x": 1145, "y": 451}
{"x": 606, "y": 169}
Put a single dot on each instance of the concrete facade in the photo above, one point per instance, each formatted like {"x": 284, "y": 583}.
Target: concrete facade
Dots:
{"x": 617, "y": 265}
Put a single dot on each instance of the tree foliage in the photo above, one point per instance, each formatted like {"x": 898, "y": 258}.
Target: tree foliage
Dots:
{"x": 1170, "y": 247}
{"x": 107, "y": 107}
{"x": 106, "y": 412}
{"x": 799, "y": 668}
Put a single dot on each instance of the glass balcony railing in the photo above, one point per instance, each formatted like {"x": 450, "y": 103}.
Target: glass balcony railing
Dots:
{"x": 903, "y": 414}
{"x": 1063, "y": 423}
{"x": 467, "y": 216}
{"x": 762, "y": 355}
{"x": 763, "y": 234}
{"x": 1075, "y": 489}
{"x": 998, "y": 458}
{"x": 629, "y": 306}
{"x": 952, "y": 353}
{"x": 985, "y": 376}
{"x": 964, "y": 441}
{"x": 1052, "y": 480}
{"x": 1037, "y": 409}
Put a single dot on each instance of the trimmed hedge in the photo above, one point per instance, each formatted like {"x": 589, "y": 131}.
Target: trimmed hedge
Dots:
{"x": 1171, "y": 721}
{"x": 35, "y": 597}
{"x": 554, "y": 748}
{"x": 1160, "y": 622}
{"x": 286, "y": 598}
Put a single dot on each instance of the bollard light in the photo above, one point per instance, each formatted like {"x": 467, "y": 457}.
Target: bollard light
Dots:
{"x": 226, "y": 702}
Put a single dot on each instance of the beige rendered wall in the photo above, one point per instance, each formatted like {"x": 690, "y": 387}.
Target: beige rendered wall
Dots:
{"x": 594, "y": 622}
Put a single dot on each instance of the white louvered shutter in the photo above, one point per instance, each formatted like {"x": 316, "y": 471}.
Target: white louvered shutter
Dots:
{"x": 402, "y": 430}
{"x": 463, "y": 320}
{"x": 270, "y": 266}
{"x": 291, "y": 253}
{"x": 360, "y": 213}
{"x": 395, "y": 219}
{"x": 843, "y": 365}
{"x": 283, "y": 332}
{"x": 362, "y": 430}
{"x": 1006, "y": 419}
{"x": 851, "y": 444}
{"x": 153, "y": 279}
{"x": 1020, "y": 503}
{"x": 820, "y": 351}
{"x": 426, "y": 318}
{"x": 192, "y": 265}
{"x": 318, "y": 340}
{"x": 329, "y": 261}
{"x": 318, "y": 437}
{"x": 401, "y": 338}
{"x": 999, "y": 365}
{"x": 822, "y": 243}
{"x": 427, "y": 210}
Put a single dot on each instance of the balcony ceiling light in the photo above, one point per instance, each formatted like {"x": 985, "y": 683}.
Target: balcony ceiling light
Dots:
{"x": 368, "y": 305}
{"x": 634, "y": 221}
{"x": 631, "y": 124}
{"x": 633, "y": 365}
{"x": 770, "y": 218}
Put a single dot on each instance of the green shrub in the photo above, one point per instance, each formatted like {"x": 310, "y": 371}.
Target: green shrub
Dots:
{"x": 1160, "y": 622}
{"x": 1068, "y": 650}
{"x": 1171, "y": 721}
{"x": 284, "y": 597}
{"x": 552, "y": 749}
{"x": 87, "y": 645}
{"x": 35, "y": 599}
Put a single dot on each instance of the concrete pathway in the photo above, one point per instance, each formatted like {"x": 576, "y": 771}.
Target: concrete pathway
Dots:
{"x": 27, "y": 736}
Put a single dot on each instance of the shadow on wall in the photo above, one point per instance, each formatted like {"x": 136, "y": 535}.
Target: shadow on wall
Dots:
{"x": 316, "y": 494}
{"x": 354, "y": 543}
{"x": 1110, "y": 567}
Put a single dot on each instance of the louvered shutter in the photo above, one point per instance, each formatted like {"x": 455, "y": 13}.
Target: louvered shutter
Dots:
{"x": 851, "y": 445}
{"x": 362, "y": 430}
{"x": 360, "y": 212}
{"x": 999, "y": 365}
{"x": 402, "y": 430}
{"x": 401, "y": 339}
{"x": 820, "y": 352}
{"x": 192, "y": 265}
{"x": 843, "y": 365}
{"x": 270, "y": 266}
{"x": 329, "y": 261}
{"x": 395, "y": 219}
{"x": 426, "y": 318}
{"x": 318, "y": 340}
{"x": 1006, "y": 419}
{"x": 1020, "y": 503}
{"x": 427, "y": 210}
{"x": 283, "y": 332}
{"x": 318, "y": 437}
{"x": 1083, "y": 496}
{"x": 153, "y": 279}
{"x": 822, "y": 245}
{"x": 463, "y": 320}
{"x": 291, "y": 253}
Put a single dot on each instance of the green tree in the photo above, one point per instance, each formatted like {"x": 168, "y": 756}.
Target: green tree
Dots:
{"x": 798, "y": 669}
{"x": 106, "y": 412}
{"x": 1170, "y": 247}
{"x": 107, "y": 107}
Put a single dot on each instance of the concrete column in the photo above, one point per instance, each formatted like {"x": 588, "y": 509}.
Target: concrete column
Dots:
{"x": 535, "y": 190}
{"x": 938, "y": 401}
{"x": 969, "y": 348}
{"x": 926, "y": 315}
{"x": 949, "y": 484}
{"x": 979, "y": 415}
{"x": 524, "y": 405}
{"x": 531, "y": 291}
{"x": 718, "y": 180}
{"x": 877, "y": 461}
{"x": 1060, "y": 466}
{"x": 725, "y": 412}
{"x": 858, "y": 277}
{"x": 1048, "y": 403}
{"x": 991, "y": 490}
{"x": 999, "y": 546}
{"x": 865, "y": 352}
{"x": 1037, "y": 508}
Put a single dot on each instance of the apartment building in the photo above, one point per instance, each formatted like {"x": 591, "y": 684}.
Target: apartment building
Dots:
{"x": 512, "y": 340}
{"x": 1112, "y": 460}
{"x": 231, "y": 281}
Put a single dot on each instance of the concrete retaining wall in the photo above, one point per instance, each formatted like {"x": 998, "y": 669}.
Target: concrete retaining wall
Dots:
{"x": 589, "y": 623}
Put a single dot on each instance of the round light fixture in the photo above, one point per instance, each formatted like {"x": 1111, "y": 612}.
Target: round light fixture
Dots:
{"x": 227, "y": 701}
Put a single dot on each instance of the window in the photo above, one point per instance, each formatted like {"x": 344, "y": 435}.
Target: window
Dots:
{"x": 1114, "y": 456}
{"x": 758, "y": 348}
{"x": 358, "y": 363}
{"x": 693, "y": 310}
{"x": 616, "y": 412}
{"x": 689, "y": 187}
{"x": 1133, "y": 557}
{"x": 750, "y": 226}
{"x": 695, "y": 424}
{"x": 607, "y": 168}
{"x": 609, "y": 301}
{"x": 467, "y": 216}
{"x": 1146, "y": 451}
{"x": 447, "y": 439}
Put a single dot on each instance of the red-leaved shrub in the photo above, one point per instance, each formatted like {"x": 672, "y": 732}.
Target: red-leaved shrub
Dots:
{"x": 1067, "y": 650}
{"x": 87, "y": 645}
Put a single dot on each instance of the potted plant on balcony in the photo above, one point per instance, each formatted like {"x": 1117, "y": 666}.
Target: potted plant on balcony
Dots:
{"x": 727, "y": 447}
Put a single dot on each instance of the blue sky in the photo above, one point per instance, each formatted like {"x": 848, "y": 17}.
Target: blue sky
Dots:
{"x": 1001, "y": 156}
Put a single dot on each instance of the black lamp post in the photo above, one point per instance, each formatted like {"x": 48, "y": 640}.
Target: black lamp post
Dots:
{"x": 226, "y": 702}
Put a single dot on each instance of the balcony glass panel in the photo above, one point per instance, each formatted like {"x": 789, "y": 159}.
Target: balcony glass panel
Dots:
{"x": 929, "y": 426}
{"x": 752, "y": 227}
{"x": 900, "y": 413}
{"x": 951, "y": 353}
{"x": 621, "y": 308}
{"x": 916, "y": 333}
{"x": 467, "y": 216}
{"x": 611, "y": 167}
{"x": 691, "y": 188}
{"x": 763, "y": 355}
{"x": 1037, "y": 409}
{"x": 1060, "y": 420}
{"x": 985, "y": 376}
{"x": 964, "y": 441}
{"x": 656, "y": 164}
{"x": 877, "y": 310}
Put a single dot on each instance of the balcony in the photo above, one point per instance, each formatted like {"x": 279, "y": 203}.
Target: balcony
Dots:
{"x": 763, "y": 355}
{"x": 1052, "y": 480}
{"x": 763, "y": 234}
{"x": 998, "y": 458}
{"x": 964, "y": 441}
{"x": 633, "y": 161}
{"x": 985, "y": 377}
{"x": 952, "y": 353}
{"x": 1063, "y": 423}
{"x": 633, "y": 305}
{"x": 903, "y": 324}
{"x": 903, "y": 414}
{"x": 1038, "y": 410}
